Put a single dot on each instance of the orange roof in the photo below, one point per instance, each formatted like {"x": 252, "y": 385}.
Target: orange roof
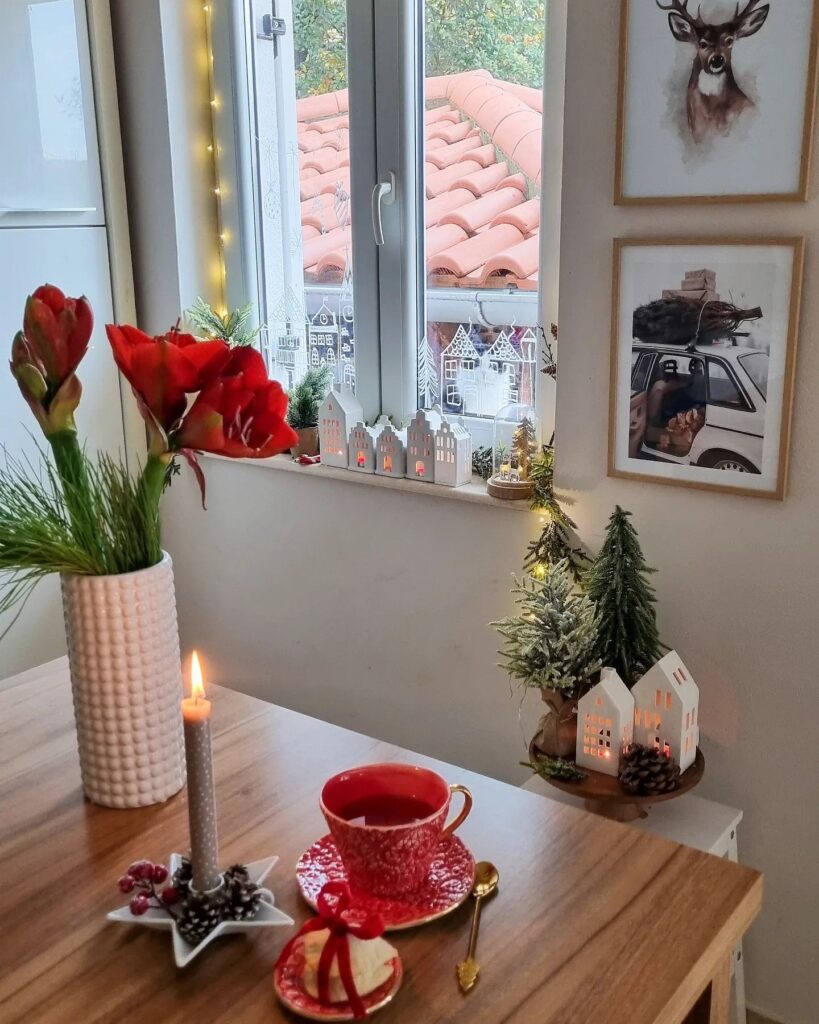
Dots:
{"x": 482, "y": 181}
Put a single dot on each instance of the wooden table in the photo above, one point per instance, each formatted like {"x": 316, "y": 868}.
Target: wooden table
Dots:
{"x": 594, "y": 921}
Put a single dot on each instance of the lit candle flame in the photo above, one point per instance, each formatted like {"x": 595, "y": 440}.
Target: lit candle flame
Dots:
{"x": 197, "y": 686}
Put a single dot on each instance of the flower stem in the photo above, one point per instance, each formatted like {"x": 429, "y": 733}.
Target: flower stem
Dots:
{"x": 152, "y": 482}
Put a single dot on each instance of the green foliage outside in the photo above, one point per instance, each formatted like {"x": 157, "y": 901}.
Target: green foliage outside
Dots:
{"x": 506, "y": 37}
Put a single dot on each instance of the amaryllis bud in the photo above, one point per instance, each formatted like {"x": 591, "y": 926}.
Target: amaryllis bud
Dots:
{"x": 58, "y": 330}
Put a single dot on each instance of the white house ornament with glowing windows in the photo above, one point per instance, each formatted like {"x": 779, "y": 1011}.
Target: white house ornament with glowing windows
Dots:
{"x": 453, "y": 455}
{"x": 605, "y": 724}
{"x": 362, "y": 442}
{"x": 666, "y": 716}
{"x": 421, "y": 445}
{"x": 338, "y": 413}
{"x": 391, "y": 452}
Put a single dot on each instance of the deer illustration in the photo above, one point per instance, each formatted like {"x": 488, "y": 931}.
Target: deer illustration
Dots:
{"x": 714, "y": 100}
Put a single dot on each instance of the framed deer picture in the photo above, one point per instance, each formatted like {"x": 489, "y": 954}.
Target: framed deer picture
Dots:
{"x": 703, "y": 362}
{"x": 716, "y": 100}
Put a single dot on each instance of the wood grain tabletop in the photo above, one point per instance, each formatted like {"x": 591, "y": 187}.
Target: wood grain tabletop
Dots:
{"x": 594, "y": 921}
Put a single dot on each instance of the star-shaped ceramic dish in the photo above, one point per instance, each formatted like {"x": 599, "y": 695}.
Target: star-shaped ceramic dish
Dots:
{"x": 269, "y": 916}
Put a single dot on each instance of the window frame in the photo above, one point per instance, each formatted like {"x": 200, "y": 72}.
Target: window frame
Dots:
{"x": 389, "y": 283}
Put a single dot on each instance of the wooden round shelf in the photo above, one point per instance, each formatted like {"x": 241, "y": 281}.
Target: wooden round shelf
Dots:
{"x": 603, "y": 794}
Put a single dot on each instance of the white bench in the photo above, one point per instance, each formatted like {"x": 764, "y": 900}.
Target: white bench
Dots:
{"x": 690, "y": 821}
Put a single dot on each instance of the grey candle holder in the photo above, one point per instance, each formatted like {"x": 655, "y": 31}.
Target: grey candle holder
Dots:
{"x": 268, "y": 915}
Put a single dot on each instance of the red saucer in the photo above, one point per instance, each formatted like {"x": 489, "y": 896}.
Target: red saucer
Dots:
{"x": 286, "y": 983}
{"x": 447, "y": 885}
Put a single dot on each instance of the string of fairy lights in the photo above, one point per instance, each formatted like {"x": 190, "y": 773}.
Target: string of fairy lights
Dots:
{"x": 214, "y": 151}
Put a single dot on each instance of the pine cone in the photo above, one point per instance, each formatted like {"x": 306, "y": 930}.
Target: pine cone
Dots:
{"x": 647, "y": 771}
{"x": 242, "y": 897}
{"x": 198, "y": 916}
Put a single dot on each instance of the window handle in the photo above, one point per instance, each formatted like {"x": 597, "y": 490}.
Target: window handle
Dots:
{"x": 383, "y": 192}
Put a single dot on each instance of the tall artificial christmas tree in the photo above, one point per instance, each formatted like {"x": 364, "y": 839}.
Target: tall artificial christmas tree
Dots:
{"x": 617, "y": 583}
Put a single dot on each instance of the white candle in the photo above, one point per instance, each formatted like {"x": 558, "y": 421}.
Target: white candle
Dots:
{"x": 201, "y": 796}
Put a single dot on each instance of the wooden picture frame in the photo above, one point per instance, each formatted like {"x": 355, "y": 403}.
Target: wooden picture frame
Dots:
{"x": 689, "y": 409}
{"x": 624, "y": 193}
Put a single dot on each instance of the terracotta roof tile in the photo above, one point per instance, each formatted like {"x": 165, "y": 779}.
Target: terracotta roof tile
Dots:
{"x": 443, "y": 236}
{"x": 444, "y": 113}
{"x": 496, "y": 110}
{"x": 329, "y": 182}
{"x": 446, "y": 156}
{"x": 324, "y": 159}
{"x": 526, "y": 153}
{"x": 519, "y": 260}
{"x": 465, "y": 257}
{"x": 524, "y": 216}
{"x": 514, "y": 127}
{"x": 318, "y": 246}
{"x": 474, "y": 215}
{"x": 320, "y": 213}
{"x": 479, "y": 182}
{"x": 450, "y": 132}
{"x": 452, "y": 177}
{"x": 444, "y": 203}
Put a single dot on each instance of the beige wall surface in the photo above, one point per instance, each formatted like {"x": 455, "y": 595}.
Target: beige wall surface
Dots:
{"x": 738, "y": 580}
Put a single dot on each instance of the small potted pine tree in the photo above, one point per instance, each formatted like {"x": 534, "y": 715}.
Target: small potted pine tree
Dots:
{"x": 551, "y": 645}
{"x": 302, "y": 413}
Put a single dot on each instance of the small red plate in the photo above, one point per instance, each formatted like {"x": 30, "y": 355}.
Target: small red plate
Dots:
{"x": 447, "y": 885}
{"x": 286, "y": 983}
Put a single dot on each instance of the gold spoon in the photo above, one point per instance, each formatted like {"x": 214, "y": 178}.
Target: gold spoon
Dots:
{"x": 486, "y": 882}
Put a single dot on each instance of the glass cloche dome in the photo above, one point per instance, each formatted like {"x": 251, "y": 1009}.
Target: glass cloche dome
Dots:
{"x": 515, "y": 443}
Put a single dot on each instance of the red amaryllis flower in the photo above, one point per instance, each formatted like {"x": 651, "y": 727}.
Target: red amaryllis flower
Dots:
{"x": 240, "y": 414}
{"x": 163, "y": 369}
{"x": 45, "y": 354}
{"x": 57, "y": 330}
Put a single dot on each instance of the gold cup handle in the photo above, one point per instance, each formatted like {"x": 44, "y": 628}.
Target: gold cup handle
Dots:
{"x": 467, "y": 807}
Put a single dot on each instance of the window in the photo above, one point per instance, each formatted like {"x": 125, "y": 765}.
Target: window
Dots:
{"x": 755, "y": 365}
{"x": 722, "y": 388}
{"x": 432, "y": 296}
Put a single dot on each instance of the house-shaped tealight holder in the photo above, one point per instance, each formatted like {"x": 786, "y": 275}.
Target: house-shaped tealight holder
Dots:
{"x": 453, "y": 455}
{"x": 391, "y": 452}
{"x": 421, "y": 445}
{"x": 338, "y": 414}
{"x": 666, "y": 716}
{"x": 605, "y": 723}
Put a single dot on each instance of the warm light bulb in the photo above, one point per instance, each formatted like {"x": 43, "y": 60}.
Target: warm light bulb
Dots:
{"x": 197, "y": 685}
{"x": 210, "y": 149}
{"x": 217, "y": 191}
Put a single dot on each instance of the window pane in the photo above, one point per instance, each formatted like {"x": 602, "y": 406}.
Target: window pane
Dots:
{"x": 756, "y": 366}
{"x": 482, "y": 173}
{"x": 721, "y": 388}
{"x": 304, "y": 193}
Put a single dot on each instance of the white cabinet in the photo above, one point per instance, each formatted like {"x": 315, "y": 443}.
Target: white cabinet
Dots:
{"x": 49, "y": 171}
{"x": 77, "y": 262}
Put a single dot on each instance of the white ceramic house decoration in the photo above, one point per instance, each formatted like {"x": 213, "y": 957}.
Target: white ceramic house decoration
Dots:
{"x": 391, "y": 452}
{"x": 667, "y": 710}
{"x": 361, "y": 446}
{"x": 453, "y": 455}
{"x": 338, "y": 413}
{"x": 605, "y": 723}
{"x": 421, "y": 445}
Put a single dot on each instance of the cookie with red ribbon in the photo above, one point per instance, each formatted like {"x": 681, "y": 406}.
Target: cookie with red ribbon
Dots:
{"x": 340, "y": 965}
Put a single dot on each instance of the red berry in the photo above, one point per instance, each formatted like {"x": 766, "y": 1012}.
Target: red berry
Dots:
{"x": 139, "y": 904}
{"x": 141, "y": 869}
{"x": 170, "y": 894}
{"x": 159, "y": 873}
{"x": 126, "y": 883}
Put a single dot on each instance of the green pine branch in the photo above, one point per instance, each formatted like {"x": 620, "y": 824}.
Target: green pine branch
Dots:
{"x": 234, "y": 327}
{"x": 307, "y": 396}
{"x": 555, "y": 768}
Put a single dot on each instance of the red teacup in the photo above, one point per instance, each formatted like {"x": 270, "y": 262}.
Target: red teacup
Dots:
{"x": 387, "y": 821}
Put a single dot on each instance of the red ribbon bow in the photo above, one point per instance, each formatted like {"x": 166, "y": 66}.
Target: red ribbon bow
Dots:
{"x": 333, "y": 901}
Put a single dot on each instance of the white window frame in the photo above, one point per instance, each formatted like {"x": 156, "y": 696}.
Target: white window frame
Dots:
{"x": 390, "y": 293}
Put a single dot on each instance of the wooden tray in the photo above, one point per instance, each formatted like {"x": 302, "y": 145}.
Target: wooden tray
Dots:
{"x": 603, "y": 794}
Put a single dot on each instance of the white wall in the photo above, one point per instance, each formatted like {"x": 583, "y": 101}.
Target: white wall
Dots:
{"x": 369, "y": 608}
{"x": 739, "y": 577}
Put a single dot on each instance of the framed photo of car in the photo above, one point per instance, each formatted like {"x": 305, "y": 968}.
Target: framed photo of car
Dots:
{"x": 716, "y": 100}
{"x": 703, "y": 361}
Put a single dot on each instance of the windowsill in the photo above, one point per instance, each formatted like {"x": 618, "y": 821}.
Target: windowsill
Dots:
{"x": 474, "y": 492}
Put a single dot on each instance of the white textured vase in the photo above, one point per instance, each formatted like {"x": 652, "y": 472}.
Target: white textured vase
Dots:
{"x": 126, "y": 678}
